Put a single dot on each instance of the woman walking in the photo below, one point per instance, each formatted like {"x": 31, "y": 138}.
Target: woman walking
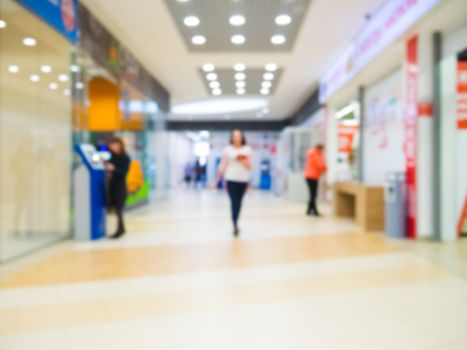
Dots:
{"x": 118, "y": 166}
{"x": 235, "y": 168}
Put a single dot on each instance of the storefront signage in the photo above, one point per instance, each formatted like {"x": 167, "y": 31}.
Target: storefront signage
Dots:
{"x": 393, "y": 19}
{"x": 462, "y": 95}
{"x": 411, "y": 113}
{"x": 346, "y": 135}
{"x": 62, "y": 15}
{"x": 109, "y": 53}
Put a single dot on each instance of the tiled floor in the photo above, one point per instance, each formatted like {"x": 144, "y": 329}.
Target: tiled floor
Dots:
{"x": 179, "y": 281}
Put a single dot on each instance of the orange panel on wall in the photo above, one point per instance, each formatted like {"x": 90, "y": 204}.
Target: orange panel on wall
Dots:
{"x": 104, "y": 113}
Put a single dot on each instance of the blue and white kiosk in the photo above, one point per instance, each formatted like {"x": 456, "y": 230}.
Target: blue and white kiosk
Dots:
{"x": 89, "y": 194}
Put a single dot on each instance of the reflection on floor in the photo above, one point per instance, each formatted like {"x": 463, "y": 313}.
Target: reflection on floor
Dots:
{"x": 180, "y": 281}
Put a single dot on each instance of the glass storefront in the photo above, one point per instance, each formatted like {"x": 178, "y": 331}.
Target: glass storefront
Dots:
{"x": 35, "y": 132}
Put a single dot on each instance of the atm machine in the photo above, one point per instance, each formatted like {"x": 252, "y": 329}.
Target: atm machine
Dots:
{"x": 89, "y": 194}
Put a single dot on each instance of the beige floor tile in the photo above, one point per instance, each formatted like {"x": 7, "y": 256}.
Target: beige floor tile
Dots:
{"x": 291, "y": 282}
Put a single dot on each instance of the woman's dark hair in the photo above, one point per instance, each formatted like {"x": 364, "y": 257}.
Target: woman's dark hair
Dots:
{"x": 120, "y": 142}
{"x": 243, "y": 136}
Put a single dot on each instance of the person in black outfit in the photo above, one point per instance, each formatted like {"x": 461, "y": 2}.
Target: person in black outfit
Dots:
{"x": 118, "y": 166}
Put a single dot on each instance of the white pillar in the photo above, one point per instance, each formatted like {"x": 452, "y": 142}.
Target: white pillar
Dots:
{"x": 425, "y": 151}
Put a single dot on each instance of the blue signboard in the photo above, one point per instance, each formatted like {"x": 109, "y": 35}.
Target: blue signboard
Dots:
{"x": 62, "y": 15}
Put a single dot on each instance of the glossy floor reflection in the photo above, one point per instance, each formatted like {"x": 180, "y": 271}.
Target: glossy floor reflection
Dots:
{"x": 180, "y": 281}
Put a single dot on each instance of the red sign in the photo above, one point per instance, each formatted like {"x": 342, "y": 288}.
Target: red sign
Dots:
{"x": 346, "y": 135}
{"x": 462, "y": 95}
{"x": 68, "y": 15}
{"x": 410, "y": 117}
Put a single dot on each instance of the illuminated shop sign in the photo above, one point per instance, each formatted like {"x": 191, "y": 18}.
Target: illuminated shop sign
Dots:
{"x": 62, "y": 15}
{"x": 392, "y": 20}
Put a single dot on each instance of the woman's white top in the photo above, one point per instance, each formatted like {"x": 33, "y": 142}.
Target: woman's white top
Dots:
{"x": 236, "y": 171}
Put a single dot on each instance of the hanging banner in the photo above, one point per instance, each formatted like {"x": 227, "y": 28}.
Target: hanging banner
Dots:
{"x": 411, "y": 112}
{"x": 462, "y": 95}
{"x": 392, "y": 20}
{"x": 62, "y": 15}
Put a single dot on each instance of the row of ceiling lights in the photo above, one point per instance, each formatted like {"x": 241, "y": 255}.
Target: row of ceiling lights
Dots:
{"x": 240, "y": 78}
{"x": 45, "y": 68}
{"x": 237, "y": 21}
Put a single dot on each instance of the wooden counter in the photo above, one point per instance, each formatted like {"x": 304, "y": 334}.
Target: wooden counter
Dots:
{"x": 364, "y": 203}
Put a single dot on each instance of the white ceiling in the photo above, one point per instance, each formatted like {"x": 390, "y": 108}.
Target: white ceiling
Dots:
{"x": 148, "y": 30}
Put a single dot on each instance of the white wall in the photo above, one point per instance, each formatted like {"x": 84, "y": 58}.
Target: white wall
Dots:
{"x": 425, "y": 149}
{"x": 384, "y": 130}
{"x": 455, "y": 41}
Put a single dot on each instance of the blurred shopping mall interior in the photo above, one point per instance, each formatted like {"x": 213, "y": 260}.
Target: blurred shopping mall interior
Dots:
{"x": 233, "y": 174}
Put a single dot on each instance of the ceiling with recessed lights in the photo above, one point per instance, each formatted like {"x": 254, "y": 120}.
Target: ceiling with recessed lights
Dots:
{"x": 33, "y": 60}
{"x": 238, "y": 25}
{"x": 251, "y": 81}
{"x": 161, "y": 38}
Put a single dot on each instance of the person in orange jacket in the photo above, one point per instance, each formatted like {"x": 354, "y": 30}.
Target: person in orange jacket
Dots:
{"x": 314, "y": 168}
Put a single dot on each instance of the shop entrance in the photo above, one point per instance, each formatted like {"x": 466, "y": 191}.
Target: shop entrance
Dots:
{"x": 453, "y": 196}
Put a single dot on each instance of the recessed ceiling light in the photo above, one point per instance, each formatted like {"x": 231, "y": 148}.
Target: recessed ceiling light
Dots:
{"x": 79, "y": 85}
{"x": 13, "y": 69}
{"x": 240, "y": 76}
{"x": 211, "y": 76}
{"x": 268, "y": 76}
{"x": 2, "y": 24}
{"x": 67, "y": 92}
{"x": 191, "y": 21}
{"x": 239, "y": 67}
{"x": 63, "y": 77}
{"x": 241, "y": 91}
{"x": 217, "y": 92}
{"x": 278, "y": 39}
{"x": 240, "y": 84}
{"x": 214, "y": 85}
{"x": 271, "y": 67}
{"x": 198, "y": 40}
{"x": 238, "y": 39}
{"x": 283, "y": 20}
{"x": 35, "y": 78}
{"x": 183, "y": 0}
{"x": 264, "y": 91}
{"x": 208, "y": 67}
{"x": 29, "y": 42}
{"x": 266, "y": 84}
{"x": 237, "y": 20}
{"x": 75, "y": 68}
{"x": 46, "y": 68}
{"x": 53, "y": 86}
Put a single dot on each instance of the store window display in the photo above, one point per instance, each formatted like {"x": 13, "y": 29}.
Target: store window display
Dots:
{"x": 35, "y": 132}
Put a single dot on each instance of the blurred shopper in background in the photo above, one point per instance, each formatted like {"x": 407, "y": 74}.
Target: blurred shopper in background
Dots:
{"x": 235, "y": 167}
{"x": 188, "y": 173}
{"x": 200, "y": 173}
{"x": 315, "y": 166}
{"x": 117, "y": 167}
